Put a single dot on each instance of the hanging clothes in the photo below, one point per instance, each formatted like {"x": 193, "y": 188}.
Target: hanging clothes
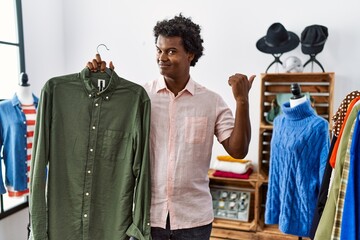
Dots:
{"x": 92, "y": 134}
{"x": 334, "y": 153}
{"x": 351, "y": 211}
{"x": 323, "y": 192}
{"x": 299, "y": 148}
{"x": 13, "y": 143}
{"x": 338, "y": 117}
{"x": 328, "y": 227}
{"x": 338, "y": 121}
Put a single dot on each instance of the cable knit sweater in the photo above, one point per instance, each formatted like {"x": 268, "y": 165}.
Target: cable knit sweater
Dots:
{"x": 299, "y": 148}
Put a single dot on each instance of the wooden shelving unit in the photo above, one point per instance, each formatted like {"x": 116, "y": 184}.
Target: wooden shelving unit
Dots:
{"x": 320, "y": 88}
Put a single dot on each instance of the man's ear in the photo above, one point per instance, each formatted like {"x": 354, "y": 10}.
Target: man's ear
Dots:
{"x": 191, "y": 56}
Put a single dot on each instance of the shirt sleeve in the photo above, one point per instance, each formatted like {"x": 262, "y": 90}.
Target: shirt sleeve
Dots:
{"x": 2, "y": 187}
{"x": 140, "y": 228}
{"x": 224, "y": 120}
{"x": 40, "y": 154}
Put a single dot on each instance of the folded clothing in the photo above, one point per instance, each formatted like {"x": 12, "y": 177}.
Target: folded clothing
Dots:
{"x": 223, "y": 174}
{"x": 234, "y": 167}
{"x": 228, "y": 158}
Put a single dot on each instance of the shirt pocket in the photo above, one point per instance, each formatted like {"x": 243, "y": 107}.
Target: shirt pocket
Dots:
{"x": 115, "y": 145}
{"x": 195, "y": 129}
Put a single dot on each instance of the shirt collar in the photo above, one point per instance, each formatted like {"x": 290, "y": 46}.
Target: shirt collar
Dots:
{"x": 298, "y": 112}
{"x": 161, "y": 85}
{"x": 15, "y": 100}
{"x": 91, "y": 90}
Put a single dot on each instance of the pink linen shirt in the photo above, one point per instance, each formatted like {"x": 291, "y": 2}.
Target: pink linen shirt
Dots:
{"x": 181, "y": 139}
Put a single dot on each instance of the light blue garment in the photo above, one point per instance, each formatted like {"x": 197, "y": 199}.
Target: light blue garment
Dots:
{"x": 13, "y": 144}
{"x": 299, "y": 148}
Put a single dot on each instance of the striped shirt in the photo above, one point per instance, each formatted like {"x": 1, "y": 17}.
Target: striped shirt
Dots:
{"x": 30, "y": 115}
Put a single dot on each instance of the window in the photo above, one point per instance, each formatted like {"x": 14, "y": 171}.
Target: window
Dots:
{"x": 12, "y": 63}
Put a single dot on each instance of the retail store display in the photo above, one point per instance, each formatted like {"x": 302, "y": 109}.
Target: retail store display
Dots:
{"x": 341, "y": 208}
{"x": 313, "y": 39}
{"x": 17, "y": 123}
{"x": 277, "y": 41}
{"x": 231, "y": 203}
{"x": 300, "y": 139}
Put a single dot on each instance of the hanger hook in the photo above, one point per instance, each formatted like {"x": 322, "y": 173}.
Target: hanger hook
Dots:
{"x": 97, "y": 48}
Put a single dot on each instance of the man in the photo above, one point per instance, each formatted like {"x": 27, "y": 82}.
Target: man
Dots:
{"x": 185, "y": 116}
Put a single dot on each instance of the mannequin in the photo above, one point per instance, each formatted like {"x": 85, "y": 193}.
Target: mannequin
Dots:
{"x": 23, "y": 92}
{"x": 297, "y": 97}
{"x": 27, "y": 106}
{"x": 296, "y": 100}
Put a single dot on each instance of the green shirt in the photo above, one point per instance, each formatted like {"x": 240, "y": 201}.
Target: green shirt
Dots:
{"x": 96, "y": 148}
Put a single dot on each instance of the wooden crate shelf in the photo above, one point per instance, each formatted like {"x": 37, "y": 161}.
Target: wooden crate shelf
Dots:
{"x": 320, "y": 88}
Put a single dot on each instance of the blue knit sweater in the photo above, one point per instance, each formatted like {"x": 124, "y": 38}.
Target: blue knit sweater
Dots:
{"x": 299, "y": 148}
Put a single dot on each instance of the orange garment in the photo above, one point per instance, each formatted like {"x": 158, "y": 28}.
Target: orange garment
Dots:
{"x": 336, "y": 145}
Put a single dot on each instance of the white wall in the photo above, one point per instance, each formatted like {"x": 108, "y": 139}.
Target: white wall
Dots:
{"x": 61, "y": 36}
{"x": 230, "y": 31}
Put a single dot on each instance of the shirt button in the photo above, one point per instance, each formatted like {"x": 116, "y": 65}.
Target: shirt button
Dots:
{"x": 24, "y": 135}
{"x": 93, "y": 127}
{"x": 91, "y": 149}
{"x": 107, "y": 97}
{"x": 96, "y": 104}
{"x": 24, "y": 122}
{"x": 89, "y": 171}
{"x": 89, "y": 95}
{"x": 24, "y": 148}
{"x": 87, "y": 194}
{"x": 85, "y": 215}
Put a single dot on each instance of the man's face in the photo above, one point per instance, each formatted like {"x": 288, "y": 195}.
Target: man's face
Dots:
{"x": 172, "y": 59}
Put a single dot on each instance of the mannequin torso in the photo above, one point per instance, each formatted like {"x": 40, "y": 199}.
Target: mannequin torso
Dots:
{"x": 297, "y": 101}
{"x": 24, "y": 95}
{"x": 297, "y": 97}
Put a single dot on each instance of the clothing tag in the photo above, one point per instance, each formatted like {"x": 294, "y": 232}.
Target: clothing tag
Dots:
{"x": 101, "y": 84}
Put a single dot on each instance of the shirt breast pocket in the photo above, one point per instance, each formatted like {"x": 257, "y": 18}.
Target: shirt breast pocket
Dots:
{"x": 115, "y": 145}
{"x": 195, "y": 129}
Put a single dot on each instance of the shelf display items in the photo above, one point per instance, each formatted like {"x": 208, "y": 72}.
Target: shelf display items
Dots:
{"x": 299, "y": 148}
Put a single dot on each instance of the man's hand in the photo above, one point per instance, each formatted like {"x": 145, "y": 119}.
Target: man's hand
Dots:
{"x": 98, "y": 65}
{"x": 237, "y": 145}
{"x": 241, "y": 86}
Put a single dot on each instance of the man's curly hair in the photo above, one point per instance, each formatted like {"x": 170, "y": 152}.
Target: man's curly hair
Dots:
{"x": 185, "y": 28}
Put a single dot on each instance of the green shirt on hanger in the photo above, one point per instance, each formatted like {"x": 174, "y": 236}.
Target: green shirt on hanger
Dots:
{"x": 92, "y": 135}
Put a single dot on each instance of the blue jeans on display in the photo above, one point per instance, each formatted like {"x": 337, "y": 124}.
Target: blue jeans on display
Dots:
{"x": 197, "y": 233}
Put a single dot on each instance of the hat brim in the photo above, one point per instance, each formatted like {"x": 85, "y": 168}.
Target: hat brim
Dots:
{"x": 312, "y": 50}
{"x": 291, "y": 44}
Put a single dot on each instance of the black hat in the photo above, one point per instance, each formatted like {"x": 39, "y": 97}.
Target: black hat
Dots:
{"x": 277, "y": 40}
{"x": 313, "y": 39}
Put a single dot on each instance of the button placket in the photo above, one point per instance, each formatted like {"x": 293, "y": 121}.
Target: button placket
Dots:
{"x": 95, "y": 115}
